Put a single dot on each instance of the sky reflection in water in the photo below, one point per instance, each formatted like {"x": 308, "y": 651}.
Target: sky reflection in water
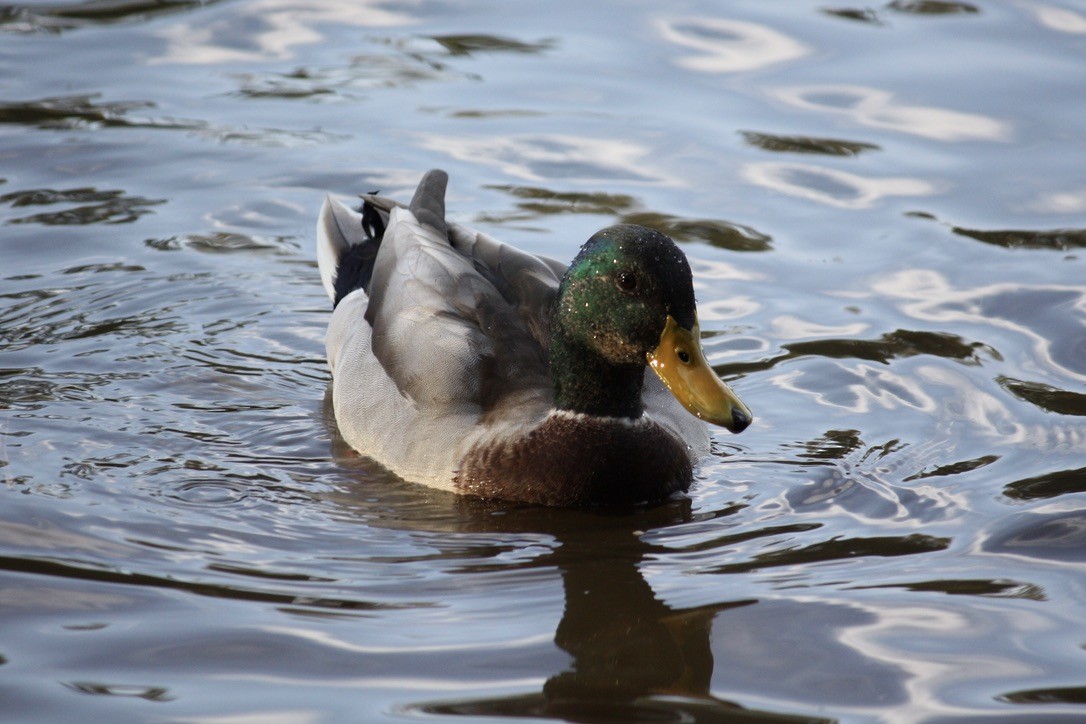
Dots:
{"x": 884, "y": 210}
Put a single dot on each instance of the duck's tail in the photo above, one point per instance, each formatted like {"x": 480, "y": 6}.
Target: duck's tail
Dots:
{"x": 348, "y": 240}
{"x": 347, "y": 244}
{"x": 428, "y": 203}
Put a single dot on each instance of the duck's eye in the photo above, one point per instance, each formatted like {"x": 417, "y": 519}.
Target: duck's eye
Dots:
{"x": 627, "y": 281}
{"x": 683, "y": 356}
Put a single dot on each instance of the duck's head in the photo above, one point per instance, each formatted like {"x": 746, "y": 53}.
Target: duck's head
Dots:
{"x": 627, "y": 300}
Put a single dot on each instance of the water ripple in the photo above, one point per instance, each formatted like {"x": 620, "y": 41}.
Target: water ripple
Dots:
{"x": 1047, "y": 536}
{"x": 933, "y": 7}
{"x": 84, "y": 111}
{"x": 36, "y": 17}
{"x": 729, "y": 46}
{"x": 275, "y": 29}
{"x": 806, "y": 144}
{"x": 830, "y": 186}
{"x": 1056, "y": 239}
{"x": 537, "y": 157}
{"x": 95, "y": 206}
{"x": 880, "y": 109}
{"x": 535, "y": 202}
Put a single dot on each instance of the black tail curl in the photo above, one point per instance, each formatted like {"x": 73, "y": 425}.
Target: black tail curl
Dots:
{"x": 355, "y": 266}
{"x": 372, "y": 223}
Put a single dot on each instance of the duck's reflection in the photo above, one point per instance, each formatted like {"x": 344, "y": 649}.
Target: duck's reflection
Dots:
{"x": 633, "y": 657}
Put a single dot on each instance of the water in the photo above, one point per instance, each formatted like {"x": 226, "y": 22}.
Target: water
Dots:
{"x": 885, "y": 210}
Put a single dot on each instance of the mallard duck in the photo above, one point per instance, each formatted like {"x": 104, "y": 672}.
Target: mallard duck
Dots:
{"x": 466, "y": 364}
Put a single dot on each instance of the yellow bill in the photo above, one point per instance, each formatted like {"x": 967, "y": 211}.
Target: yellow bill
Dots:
{"x": 681, "y": 364}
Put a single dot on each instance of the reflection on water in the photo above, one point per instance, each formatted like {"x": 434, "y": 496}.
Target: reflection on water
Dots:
{"x": 1043, "y": 315}
{"x": 1058, "y": 536}
{"x": 83, "y": 111}
{"x": 933, "y": 7}
{"x": 1061, "y": 19}
{"x": 109, "y": 207}
{"x": 544, "y": 157}
{"x": 805, "y": 144}
{"x": 899, "y": 537}
{"x": 1047, "y": 397}
{"x": 223, "y": 242}
{"x": 1051, "y": 485}
{"x": 479, "y": 43}
{"x": 538, "y": 203}
{"x": 880, "y": 109}
{"x": 728, "y": 46}
{"x": 627, "y": 647}
{"x": 58, "y": 17}
{"x": 831, "y": 186}
{"x": 276, "y": 29}
{"x": 1062, "y": 202}
{"x": 80, "y": 112}
{"x": 1061, "y": 239}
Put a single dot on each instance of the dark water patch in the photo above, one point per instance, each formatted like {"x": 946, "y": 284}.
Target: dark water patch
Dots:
{"x": 839, "y": 549}
{"x": 721, "y": 234}
{"x": 933, "y": 7}
{"x": 863, "y": 15}
{"x": 91, "y": 467}
{"x": 971, "y": 587}
{"x": 1053, "y": 239}
{"x": 892, "y": 345}
{"x": 71, "y": 570}
{"x": 218, "y": 361}
{"x": 490, "y": 113}
{"x": 806, "y": 144}
{"x": 605, "y": 706}
{"x": 832, "y": 445}
{"x": 66, "y": 112}
{"x": 34, "y": 388}
{"x": 99, "y": 207}
{"x": 1054, "y": 695}
{"x": 100, "y": 267}
{"x": 225, "y": 242}
{"x": 472, "y": 44}
{"x": 302, "y": 83}
{"x": 1046, "y": 397}
{"x": 1059, "y": 536}
{"x": 83, "y": 111}
{"x": 264, "y": 574}
{"x": 133, "y": 691}
{"x": 214, "y": 439}
{"x": 963, "y": 466}
{"x": 536, "y": 202}
{"x": 1049, "y": 485}
{"x": 227, "y": 406}
{"x": 109, "y": 306}
{"x": 899, "y": 344}
{"x": 58, "y": 17}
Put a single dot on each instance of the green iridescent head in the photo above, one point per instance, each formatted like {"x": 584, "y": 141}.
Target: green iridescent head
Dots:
{"x": 627, "y": 300}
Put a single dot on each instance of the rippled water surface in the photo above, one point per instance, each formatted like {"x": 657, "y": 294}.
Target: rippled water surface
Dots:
{"x": 885, "y": 209}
